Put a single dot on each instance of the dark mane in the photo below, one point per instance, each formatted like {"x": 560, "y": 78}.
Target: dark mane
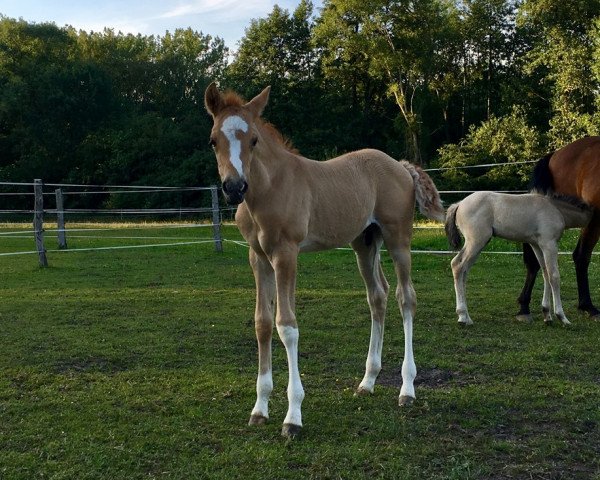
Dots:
{"x": 541, "y": 180}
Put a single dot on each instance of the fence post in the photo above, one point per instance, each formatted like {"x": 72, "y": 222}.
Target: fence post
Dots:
{"x": 60, "y": 219}
{"x": 216, "y": 218}
{"x": 38, "y": 221}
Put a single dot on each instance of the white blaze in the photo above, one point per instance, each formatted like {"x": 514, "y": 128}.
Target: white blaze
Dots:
{"x": 229, "y": 128}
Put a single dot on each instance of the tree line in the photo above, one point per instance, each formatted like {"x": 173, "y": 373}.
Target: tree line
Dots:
{"x": 443, "y": 83}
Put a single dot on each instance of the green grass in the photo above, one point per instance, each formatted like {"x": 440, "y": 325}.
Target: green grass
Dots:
{"x": 137, "y": 364}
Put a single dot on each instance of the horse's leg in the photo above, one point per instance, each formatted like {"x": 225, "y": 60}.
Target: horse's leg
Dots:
{"x": 533, "y": 267}
{"x": 459, "y": 274}
{"x": 582, "y": 257}
{"x": 367, "y": 257}
{"x": 550, "y": 258}
{"x": 540, "y": 258}
{"x": 263, "y": 324}
{"x": 461, "y": 264}
{"x": 398, "y": 245}
{"x": 284, "y": 261}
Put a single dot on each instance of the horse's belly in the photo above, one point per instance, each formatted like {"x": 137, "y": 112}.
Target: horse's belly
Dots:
{"x": 316, "y": 243}
{"x": 333, "y": 237}
{"x": 313, "y": 245}
{"x": 333, "y": 228}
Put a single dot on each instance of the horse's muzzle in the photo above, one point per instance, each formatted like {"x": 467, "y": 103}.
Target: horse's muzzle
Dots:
{"x": 234, "y": 191}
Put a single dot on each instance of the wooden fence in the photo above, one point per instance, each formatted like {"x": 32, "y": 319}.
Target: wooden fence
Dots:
{"x": 39, "y": 211}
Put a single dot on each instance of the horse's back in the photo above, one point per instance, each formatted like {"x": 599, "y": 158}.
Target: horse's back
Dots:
{"x": 369, "y": 163}
{"x": 575, "y": 170}
{"x": 392, "y": 185}
{"x": 371, "y": 176}
{"x": 522, "y": 218}
{"x": 344, "y": 195}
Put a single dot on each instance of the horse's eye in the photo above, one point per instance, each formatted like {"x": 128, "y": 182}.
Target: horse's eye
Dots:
{"x": 254, "y": 141}
{"x": 212, "y": 142}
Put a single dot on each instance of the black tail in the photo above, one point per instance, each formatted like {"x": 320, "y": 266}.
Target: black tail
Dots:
{"x": 541, "y": 180}
{"x": 452, "y": 232}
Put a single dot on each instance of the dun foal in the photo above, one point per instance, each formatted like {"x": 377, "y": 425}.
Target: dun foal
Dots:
{"x": 531, "y": 218}
{"x": 289, "y": 204}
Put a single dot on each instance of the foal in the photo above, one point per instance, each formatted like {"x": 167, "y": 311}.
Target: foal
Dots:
{"x": 531, "y": 218}
{"x": 289, "y": 204}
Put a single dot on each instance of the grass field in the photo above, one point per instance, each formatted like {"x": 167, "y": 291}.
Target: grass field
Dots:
{"x": 141, "y": 364}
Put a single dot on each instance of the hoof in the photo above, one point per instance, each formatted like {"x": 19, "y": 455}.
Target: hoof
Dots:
{"x": 592, "y": 311}
{"x": 257, "y": 420}
{"x": 290, "y": 431}
{"x": 524, "y": 317}
{"x": 362, "y": 392}
{"x": 566, "y": 323}
{"x": 465, "y": 324}
{"x": 405, "y": 400}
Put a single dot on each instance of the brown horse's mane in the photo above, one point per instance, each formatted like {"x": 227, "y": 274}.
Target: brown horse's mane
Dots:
{"x": 232, "y": 99}
{"x": 276, "y": 135}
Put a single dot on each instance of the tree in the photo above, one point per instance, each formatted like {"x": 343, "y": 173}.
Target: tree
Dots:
{"x": 508, "y": 139}
{"x": 490, "y": 45}
{"x": 50, "y": 98}
{"x": 81, "y": 107}
{"x": 562, "y": 36}
{"x": 276, "y": 50}
{"x": 406, "y": 45}
{"x": 279, "y": 51}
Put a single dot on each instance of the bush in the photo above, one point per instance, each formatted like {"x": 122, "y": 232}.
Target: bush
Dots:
{"x": 499, "y": 140}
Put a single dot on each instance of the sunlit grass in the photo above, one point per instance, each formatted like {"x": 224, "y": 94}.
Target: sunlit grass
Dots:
{"x": 141, "y": 364}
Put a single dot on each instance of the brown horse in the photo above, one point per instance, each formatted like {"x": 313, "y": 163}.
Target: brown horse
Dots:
{"x": 573, "y": 170}
{"x": 290, "y": 204}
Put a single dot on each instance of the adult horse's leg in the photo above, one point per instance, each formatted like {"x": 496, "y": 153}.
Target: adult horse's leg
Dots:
{"x": 284, "y": 260}
{"x": 582, "y": 257}
{"x": 367, "y": 257}
{"x": 263, "y": 324}
{"x": 398, "y": 245}
{"x": 533, "y": 267}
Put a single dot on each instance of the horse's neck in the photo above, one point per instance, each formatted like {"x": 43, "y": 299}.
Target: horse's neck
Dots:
{"x": 272, "y": 168}
{"x": 575, "y": 216}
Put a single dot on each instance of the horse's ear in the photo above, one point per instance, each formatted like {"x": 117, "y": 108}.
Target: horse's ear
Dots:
{"x": 258, "y": 103}
{"x": 213, "y": 100}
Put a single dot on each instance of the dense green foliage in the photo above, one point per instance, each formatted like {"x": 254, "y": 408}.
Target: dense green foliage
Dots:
{"x": 141, "y": 364}
{"x": 441, "y": 82}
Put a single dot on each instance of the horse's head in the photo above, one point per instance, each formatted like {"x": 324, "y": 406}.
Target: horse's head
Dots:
{"x": 233, "y": 137}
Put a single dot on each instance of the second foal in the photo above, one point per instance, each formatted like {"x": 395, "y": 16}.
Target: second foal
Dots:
{"x": 529, "y": 218}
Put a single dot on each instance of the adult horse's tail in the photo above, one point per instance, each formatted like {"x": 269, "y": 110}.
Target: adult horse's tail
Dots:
{"x": 541, "y": 180}
{"x": 428, "y": 197}
{"x": 452, "y": 232}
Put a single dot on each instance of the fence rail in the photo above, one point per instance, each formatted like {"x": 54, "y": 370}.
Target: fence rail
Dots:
{"x": 62, "y": 192}
{"x": 60, "y": 212}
